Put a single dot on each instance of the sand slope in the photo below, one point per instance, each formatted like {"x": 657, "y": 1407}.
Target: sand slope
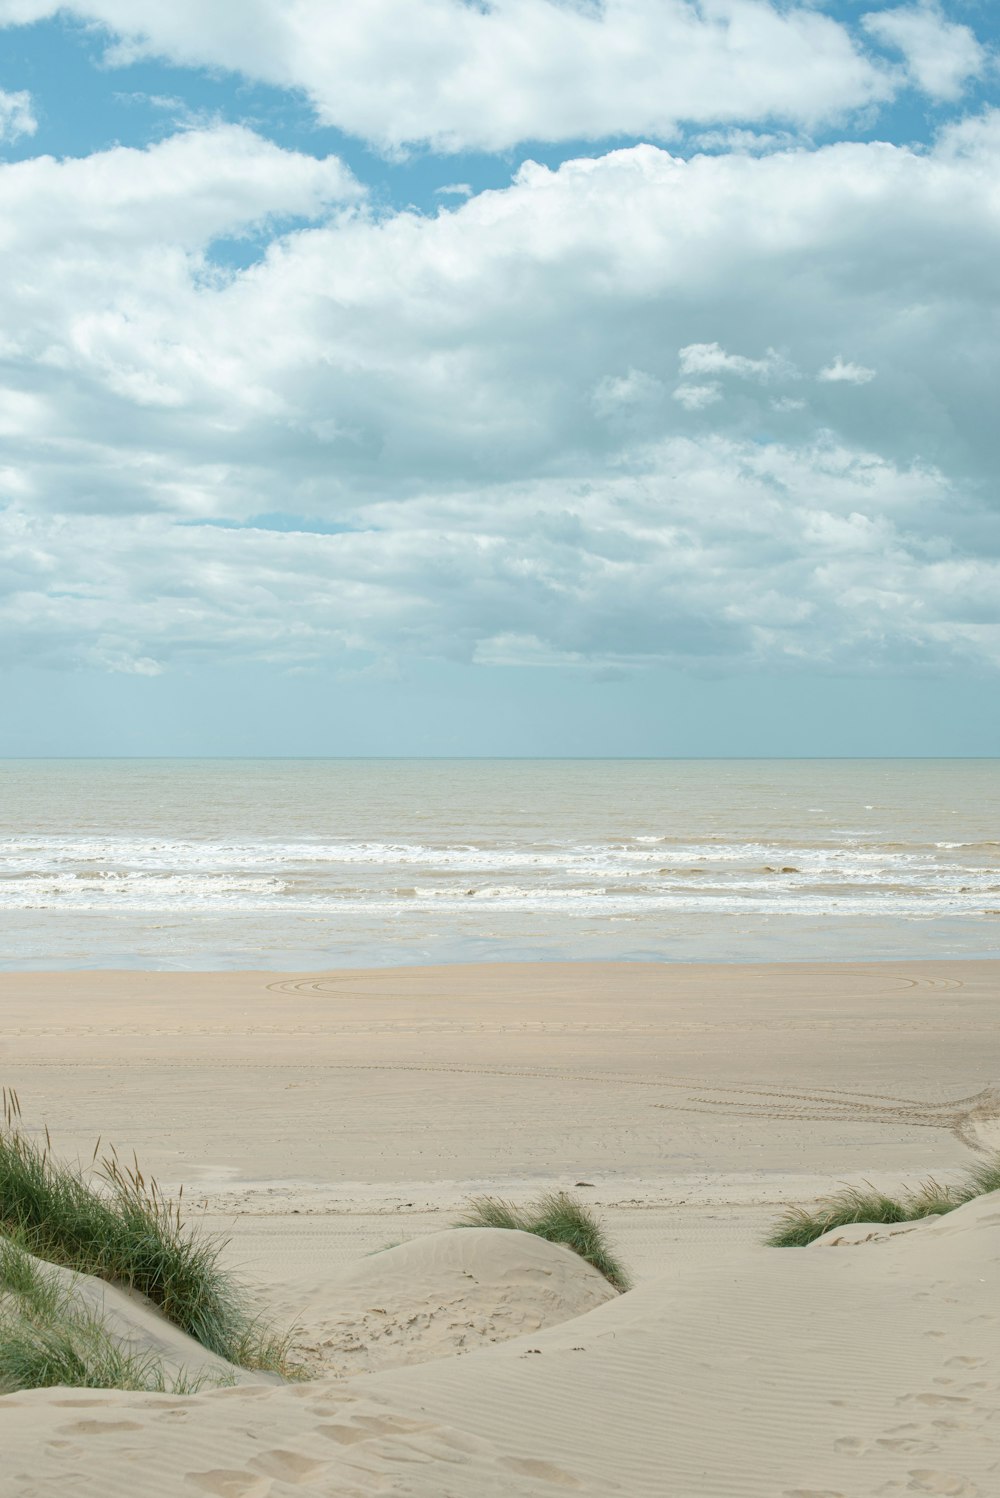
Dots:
{"x": 824, "y": 1372}
{"x": 442, "y": 1295}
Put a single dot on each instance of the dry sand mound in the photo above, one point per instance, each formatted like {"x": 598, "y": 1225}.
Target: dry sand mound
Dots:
{"x": 773, "y": 1373}
{"x": 443, "y": 1294}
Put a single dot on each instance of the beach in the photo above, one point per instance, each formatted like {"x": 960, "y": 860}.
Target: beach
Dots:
{"x": 317, "y": 1118}
{"x": 499, "y": 812}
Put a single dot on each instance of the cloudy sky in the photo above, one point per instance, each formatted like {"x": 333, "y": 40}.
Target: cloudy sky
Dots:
{"x": 499, "y": 376}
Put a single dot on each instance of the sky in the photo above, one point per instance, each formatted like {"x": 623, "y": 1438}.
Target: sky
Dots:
{"x": 530, "y": 377}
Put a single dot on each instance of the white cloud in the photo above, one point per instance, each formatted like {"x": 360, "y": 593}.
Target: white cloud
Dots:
{"x": 185, "y": 191}
{"x": 755, "y": 142}
{"x": 17, "y": 117}
{"x": 712, "y": 359}
{"x": 697, "y": 397}
{"x": 465, "y": 76}
{"x": 114, "y": 242}
{"x": 707, "y": 552}
{"x": 622, "y": 395}
{"x": 940, "y": 56}
{"x": 472, "y": 405}
{"x": 843, "y": 372}
{"x": 509, "y": 649}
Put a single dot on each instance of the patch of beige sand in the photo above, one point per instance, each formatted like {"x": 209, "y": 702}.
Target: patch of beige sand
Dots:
{"x": 396, "y": 1091}
{"x": 329, "y": 1114}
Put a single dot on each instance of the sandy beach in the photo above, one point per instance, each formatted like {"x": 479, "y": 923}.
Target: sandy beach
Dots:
{"x": 317, "y": 1118}
{"x": 499, "y": 797}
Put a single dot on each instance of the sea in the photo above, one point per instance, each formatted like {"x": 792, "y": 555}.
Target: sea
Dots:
{"x": 311, "y": 863}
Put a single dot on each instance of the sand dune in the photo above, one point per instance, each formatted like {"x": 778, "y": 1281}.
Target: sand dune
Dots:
{"x": 323, "y": 1117}
{"x": 442, "y": 1295}
{"x": 779, "y": 1373}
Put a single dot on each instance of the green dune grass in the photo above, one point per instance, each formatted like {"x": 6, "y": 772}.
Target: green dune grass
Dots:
{"x": 48, "y": 1337}
{"x": 801, "y": 1225}
{"x": 557, "y": 1217}
{"x": 112, "y": 1223}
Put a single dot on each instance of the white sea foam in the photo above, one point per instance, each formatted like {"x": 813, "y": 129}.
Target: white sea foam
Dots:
{"x": 386, "y": 857}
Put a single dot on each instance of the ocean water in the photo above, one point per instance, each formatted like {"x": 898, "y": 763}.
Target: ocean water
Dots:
{"x": 295, "y": 864}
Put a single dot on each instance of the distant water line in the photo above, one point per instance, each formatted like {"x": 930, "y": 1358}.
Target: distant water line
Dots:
{"x": 306, "y": 863}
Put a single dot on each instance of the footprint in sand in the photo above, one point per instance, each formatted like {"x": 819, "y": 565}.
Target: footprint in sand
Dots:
{"x": 545, "y": 1471}
{"x": 98, "y": 1427}
{"x": 80, "y": 1404}
{"x": 344, "y": 1435}
{"x": 932, "y": 1399}
{"x": 812, "y": 1493}
{"x": 223, "y": 1482}
{"x": 289, "y": 1466}
{"x": 947, "y": 1484}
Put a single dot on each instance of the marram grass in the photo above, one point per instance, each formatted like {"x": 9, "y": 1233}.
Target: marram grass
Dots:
{"x": 49, "y": 1338}
{"x": 800, "y": 1225}
{"x": 557, "y": 1217}
{"x": 115, "y": 1224}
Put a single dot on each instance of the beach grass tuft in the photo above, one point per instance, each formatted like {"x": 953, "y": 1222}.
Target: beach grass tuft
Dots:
{"x": 983, "y": 1178}
{"x": 49, "y": 1338}
{"x": 801, "y": 1226}
{"x": 557, "y": 1217}
{"x": 113, "y": 1223}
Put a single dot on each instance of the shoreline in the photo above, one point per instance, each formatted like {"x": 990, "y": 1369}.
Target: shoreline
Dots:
{"x": 313, "y": 971}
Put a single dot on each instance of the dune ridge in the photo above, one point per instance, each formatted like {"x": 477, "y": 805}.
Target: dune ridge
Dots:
{"x": 319, "y": 1117}
{"x": 440, "y": 1296}
{"x": 785, "y": 1373}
